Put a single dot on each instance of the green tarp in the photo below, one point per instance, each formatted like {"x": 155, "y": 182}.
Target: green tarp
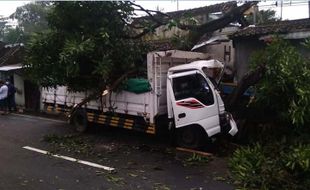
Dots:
{"x": 137, "y": 86}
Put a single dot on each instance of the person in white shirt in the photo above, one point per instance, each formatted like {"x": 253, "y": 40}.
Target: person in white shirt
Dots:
{"x": 3, "y": 97}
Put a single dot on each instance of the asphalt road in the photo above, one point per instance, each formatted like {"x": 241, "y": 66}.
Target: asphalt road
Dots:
{"x": 24, "y": 169}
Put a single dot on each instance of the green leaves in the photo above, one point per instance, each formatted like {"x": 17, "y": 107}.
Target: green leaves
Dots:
{"x": 104, "y": 67}
{"x": 31, "y": 18}
{"x": 84, "y": 48}
{"x": 274, "y": 166}
{"x": 298, "y": 160}
{"x": 285, "y": 88}
{"x": 246, "y": 163}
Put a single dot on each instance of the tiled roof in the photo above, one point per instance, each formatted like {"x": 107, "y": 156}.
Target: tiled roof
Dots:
{"x": 160, "y": 45}
{"x": 220, "y": 7}
{"x": 205, "y": 10}
{"x": 278, "y": 27}
{"x": 2, "y": 44}
{"x": 11, "y": 54}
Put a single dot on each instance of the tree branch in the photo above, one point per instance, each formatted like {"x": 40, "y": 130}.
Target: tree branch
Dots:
{"x": 235, "y": 14}
{"x": 249, "y": 79}
{"x": 147, "y": 11}
{"x": 227, "y": 18}
{"x": 97, "y": 94}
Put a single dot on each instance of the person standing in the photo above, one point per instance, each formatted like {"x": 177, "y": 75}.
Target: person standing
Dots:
{"x": 11, "y": 96}
{"x": 3, "y": 97}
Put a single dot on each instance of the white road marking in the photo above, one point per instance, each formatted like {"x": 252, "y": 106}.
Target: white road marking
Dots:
{"x": 70, "y": 159}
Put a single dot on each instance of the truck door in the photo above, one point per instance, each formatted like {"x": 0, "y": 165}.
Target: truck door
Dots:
{"x": 193, "y": 101}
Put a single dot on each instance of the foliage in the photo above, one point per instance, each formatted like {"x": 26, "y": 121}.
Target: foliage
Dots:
{"x": 263, "y": 16}
{"x": 70, "y": 143}
{"x": 246, "y": 163}
{"x": 196, "y": 159}
{"x": 281, "y": 160}
{"x": 91, "y": 44}
{"x": 32, "y": 16}
{"x": 13, "y": 35}
{"x": 285, "y": 88}
{"x": 3, "y": 23}
{"x": 274, "y": 166}
{"x": 181, "y": 42}
{"x": 85, "y": 46}
{"x": 298, "y": 161}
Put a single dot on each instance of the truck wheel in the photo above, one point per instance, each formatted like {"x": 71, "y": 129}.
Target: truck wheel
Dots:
{"x": 79, "y": 121}
{"x": 190, "y": 137}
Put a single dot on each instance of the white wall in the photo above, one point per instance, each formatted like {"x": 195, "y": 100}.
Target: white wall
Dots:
{"x": 217, "y": 50}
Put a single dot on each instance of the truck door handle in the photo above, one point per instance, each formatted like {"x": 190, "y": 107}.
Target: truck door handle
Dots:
{"x": 182, "y": 115}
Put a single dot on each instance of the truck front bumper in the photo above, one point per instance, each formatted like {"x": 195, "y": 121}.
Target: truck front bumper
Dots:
{"x": 228, "y": 124}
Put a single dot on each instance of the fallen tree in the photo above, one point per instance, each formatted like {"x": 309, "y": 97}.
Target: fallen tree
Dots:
{"x": 280, "y": 75}
{"x": 92, "y": 44}
{"x": 251, "y": 78}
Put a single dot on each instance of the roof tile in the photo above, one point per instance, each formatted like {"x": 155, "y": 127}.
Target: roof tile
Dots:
{"x": 278, "y": 27}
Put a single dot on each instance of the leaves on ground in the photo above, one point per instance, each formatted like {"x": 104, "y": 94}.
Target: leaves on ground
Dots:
{"x": 160, "y": 186}
{"x": 119, "y": 181}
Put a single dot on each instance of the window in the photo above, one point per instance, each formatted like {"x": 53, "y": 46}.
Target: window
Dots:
{"x": 214, "y": 74}
{"x": 193, "y": 86}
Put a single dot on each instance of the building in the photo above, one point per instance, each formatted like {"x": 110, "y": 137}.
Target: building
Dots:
{"x": 253, "y": 38}
{"x": 10, "y": 69}
{"x": 11, "y": 59}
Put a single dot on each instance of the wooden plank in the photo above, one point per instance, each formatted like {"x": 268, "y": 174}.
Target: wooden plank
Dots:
{"x": 194, "y": 151}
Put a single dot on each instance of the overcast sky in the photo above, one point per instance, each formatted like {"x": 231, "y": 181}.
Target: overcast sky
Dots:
{"x": 292, "y": 9}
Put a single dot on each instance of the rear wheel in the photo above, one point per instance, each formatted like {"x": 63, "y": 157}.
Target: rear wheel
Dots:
{"x": 79, "y": 121}
{"x": 191, "y": 137}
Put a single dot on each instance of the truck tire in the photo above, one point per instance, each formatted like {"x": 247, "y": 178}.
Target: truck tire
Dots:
{"x": 79, "y": 121}
{"x": 192, "y": 137}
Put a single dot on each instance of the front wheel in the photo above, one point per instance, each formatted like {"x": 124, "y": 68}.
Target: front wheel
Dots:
{"x": 79, "y": 121}
{"x": 192, "y": 137}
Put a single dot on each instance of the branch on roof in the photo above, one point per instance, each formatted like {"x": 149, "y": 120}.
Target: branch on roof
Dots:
{"x": 232, "y": 15}
{"x": 157, "y": 21}
{"x": 144, "y": 32}
{"x": 229, "y": 17}
{"x": 160, "y": 19}
{"x": 243, "y": 22}
{"x": 149, "y": 11}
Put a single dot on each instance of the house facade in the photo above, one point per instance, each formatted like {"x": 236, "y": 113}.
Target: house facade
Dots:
{"x": 249, "y": 40}
{"x": 11, "y": 59}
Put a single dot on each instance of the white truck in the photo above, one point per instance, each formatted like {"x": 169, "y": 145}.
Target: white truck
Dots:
{"x": 182, "y": 99}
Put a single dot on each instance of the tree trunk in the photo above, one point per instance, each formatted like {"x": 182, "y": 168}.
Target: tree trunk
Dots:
{"x": 249, "y": 79}
{"x": 99, "y": 92}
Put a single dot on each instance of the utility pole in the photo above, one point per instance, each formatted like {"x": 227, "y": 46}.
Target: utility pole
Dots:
{"x": 255, "y": 14}
{"x": 281, "y": 9}
{"x": 309, "y": 9}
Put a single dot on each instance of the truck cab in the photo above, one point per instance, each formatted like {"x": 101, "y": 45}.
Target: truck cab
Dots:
{"x": 194, "y": 105}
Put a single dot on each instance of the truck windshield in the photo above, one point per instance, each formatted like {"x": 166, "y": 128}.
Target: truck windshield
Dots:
{"x": 214, "y": 74}
{"x": 193, "y": 86}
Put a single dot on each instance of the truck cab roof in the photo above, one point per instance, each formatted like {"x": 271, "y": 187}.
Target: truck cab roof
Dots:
{"x": 197, "y": 65}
